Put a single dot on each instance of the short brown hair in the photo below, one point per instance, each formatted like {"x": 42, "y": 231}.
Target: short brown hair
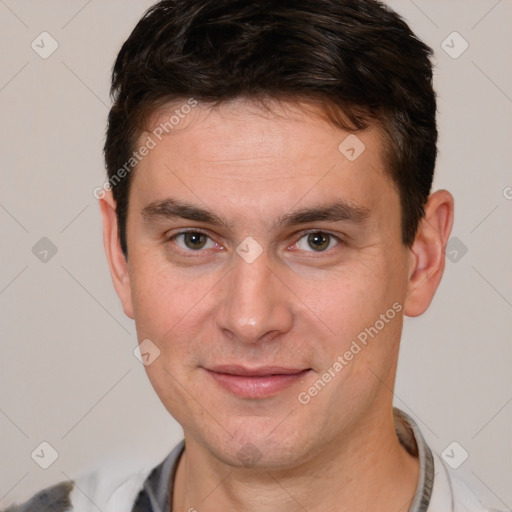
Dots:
{"x": 354, "y": 57}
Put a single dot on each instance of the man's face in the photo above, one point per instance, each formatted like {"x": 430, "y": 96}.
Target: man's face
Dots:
{"x": 324, "y": 262}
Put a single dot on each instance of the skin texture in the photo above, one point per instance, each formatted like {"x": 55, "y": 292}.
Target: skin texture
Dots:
{"x": 292, "y": 306}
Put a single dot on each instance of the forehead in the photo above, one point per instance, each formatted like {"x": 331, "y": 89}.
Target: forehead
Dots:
{"x": 281, "y": 154}
{"x": 273, "y": 126}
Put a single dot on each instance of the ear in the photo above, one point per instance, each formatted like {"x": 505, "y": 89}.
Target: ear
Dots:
{"x": 427, "y": 253}
{"x": 115, "y": 257}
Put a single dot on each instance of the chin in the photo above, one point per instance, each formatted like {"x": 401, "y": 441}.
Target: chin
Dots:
{"x": 253, "y": 445}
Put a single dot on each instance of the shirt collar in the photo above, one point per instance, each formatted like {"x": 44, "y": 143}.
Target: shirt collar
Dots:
{"x": 412, "y": 440}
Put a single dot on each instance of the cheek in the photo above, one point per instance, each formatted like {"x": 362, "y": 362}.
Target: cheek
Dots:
{"x": 174, "y": 311}
{"x": 162, "y": 296}
{"x": 345, "y": 297}
{"x": 350, "y": 304}
{"x": 173, "y": 390}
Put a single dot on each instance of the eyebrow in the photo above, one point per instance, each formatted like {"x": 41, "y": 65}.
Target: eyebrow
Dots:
{"x": 173, "y": 208}
{"x": 333, "y": 212}
{"x": 338, "y": 211}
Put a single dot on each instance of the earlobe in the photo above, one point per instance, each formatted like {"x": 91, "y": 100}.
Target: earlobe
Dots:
{"x": 115, "y": 257}
{"x": 427, "y": 253}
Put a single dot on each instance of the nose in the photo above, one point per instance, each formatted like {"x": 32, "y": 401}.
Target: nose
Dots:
{"x": 255, "y": 304}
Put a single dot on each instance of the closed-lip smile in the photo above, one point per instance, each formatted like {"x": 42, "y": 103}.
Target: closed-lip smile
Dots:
{"x": 258, "y": 382}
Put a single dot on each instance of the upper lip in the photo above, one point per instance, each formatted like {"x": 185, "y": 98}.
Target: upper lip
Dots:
{"x": 233, "y": 369}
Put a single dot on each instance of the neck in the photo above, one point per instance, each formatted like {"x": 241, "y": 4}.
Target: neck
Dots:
{"x": 369, "y": 470}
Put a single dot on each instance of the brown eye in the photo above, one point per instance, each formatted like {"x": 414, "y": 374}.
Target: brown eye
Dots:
{"x": 318, "y": 241}
{"x": 193, "y": 240}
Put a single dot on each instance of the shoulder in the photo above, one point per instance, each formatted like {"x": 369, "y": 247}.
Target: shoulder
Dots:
{"x": 116, "y": 486}
{"x": 450, "y": 492}
{"x": 105, "y": 490}
{"x": 52, "y": 499}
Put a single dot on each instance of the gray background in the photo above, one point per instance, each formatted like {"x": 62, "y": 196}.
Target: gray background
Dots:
{"x": 68, "y": 373}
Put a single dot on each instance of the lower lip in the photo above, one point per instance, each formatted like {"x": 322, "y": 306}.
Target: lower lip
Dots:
{"x": 256, "y": 387}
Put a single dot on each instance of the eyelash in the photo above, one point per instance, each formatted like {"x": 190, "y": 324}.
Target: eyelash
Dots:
{"x": 301, "y": 235}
